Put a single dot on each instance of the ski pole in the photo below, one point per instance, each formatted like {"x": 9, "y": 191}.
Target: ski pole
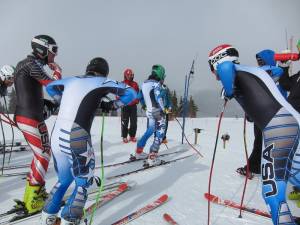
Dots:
{"x": 213, "y": 159}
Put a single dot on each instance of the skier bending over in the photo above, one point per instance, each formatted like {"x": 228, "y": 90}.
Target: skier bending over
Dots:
{"x": 151, "y": 98}
{"x": 258, "y": 95}
{"x": 71, "y": 140}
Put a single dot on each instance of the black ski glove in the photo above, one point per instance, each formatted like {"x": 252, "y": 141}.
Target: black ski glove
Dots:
{"x": 107, "y": 106}
{"x": 49, "y": 108}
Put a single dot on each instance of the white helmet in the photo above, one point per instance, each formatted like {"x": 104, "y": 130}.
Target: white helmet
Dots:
{"x": 7, "y": 72}
{"x": 221, "y": 54}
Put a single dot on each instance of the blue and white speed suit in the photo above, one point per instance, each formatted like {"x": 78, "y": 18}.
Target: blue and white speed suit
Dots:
{"x": 152, "y": 97}
{"x": 262, "y": 101}
{"x": 71, "y": 140}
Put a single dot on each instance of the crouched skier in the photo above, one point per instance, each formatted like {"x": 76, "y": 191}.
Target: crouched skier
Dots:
{"x": 262, "y": 101}
{"x": 71, "y": 140}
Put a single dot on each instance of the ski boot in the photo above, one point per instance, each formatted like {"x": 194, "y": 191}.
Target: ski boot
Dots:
{"x": 49, "y": 219}
{"x": 132, "y": 139}
{"x": 19, "y": 207}
{"x": 153, "y": 160}
{"x": 125, "y": 140}
{"x": 64, "y": 221}
{"x": 139, "y": 154}
{"x": 36, "y": 196}
{"x": 243, "y": 171}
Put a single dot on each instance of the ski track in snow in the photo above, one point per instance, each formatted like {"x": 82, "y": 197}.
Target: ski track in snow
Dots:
{"x": 184, "y": 181}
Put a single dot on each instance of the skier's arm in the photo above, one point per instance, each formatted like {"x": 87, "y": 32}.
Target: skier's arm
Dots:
{"x": 274, "y": 71}
{"x": 37, "y": 72}
{"x": 54, "y": 89}
{"x": 285, "y": 81}
{"x": 140, "y": 96}
{"x": 125, "y": 97}
{"x": 159, "y": 97}
{"x": 227, "y": 73}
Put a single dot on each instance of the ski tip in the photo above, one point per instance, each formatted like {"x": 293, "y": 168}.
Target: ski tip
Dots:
{"x": 169, "y": 219}
{"x": 167, "y": 216}
{"x": 123, "y": 186}
{"x": 164, "y": 197}
{"x": 211, "y": 197}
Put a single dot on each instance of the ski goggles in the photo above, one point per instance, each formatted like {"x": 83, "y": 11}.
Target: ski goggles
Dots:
{"x": 53, "y": 49}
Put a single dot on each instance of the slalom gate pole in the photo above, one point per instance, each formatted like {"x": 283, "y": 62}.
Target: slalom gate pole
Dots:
{"x": 3, "y": 147}
{"x": 213, "y": 159}
{"x": 7, "y": 120}
{"x": 12, "y": 131}
{"x": 247, "y": 167}
{"x": 102, "y": 171}
{"x": 195, "y": 149}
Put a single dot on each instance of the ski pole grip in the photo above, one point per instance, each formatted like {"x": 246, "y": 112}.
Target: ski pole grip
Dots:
{"x": 286, "y": 56}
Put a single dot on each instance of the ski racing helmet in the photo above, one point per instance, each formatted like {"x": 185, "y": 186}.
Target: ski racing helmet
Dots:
{"x": 98, "y": 67}
{"x": 42, "y": 45}
{"x": 128, "y": 74}
{"x": 7, "y": 72}
{"x": 221, "y": 54}
{"x": 158, "y": 71}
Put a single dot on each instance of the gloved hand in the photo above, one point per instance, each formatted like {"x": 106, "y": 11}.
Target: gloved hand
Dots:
{"x": 56, "y": 70}
{"x": 144, "y": 107}
{"x": 285, "y": 64}
{"x": 107, "y": 106}
{"x": 49, "y": 108}
{"x": 167, "y": 110}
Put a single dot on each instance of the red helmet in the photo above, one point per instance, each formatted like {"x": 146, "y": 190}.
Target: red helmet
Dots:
{"x": 128, "y": 74}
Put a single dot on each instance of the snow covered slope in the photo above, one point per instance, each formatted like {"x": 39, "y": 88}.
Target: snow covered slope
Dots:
{"x": 185, "y": 181}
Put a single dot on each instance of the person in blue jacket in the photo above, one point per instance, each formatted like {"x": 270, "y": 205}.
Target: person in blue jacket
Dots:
{"x": 165, "y": 92}
{"x": 73, "y": 154}
{"x": 261, "y": 100}
{"x": 265, "y": 60}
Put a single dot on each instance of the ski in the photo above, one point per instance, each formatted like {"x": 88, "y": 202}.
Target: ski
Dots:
{"x": 147, "y": 168}
{"x": 14, "y": 174}
{"x": 107, "y": 198}
{"x": 14, "y": 150}
{"x": 234, "y": 205}
{"x": 136, "y": 160}
{"x": 16, "y": 218}
{"x": 169, "y": 219}
{"x": 12, "y": 167}
{"x": 160, "y": 201}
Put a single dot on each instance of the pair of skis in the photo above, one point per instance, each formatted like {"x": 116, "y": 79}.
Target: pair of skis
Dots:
{"x": 121, "y": 163}
{"x": 117, "y": 189}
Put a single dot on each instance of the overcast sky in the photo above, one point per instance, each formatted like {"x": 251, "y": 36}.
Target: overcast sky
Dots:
{"x": 140, "y": 33}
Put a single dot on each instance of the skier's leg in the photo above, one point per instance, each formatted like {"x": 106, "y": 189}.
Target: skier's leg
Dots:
{"x": 281, "y": 140}
{"x": 83, "y": 170}
{"x": 133, "y": 121}
{"x": 255, "y": 157}
{"x": 166, "y": 129}
{"x": 150, "y": 130}
{"x": 160, "y": 126}
{"x": 124, "y": 121}
{"x": 36, "y": 134}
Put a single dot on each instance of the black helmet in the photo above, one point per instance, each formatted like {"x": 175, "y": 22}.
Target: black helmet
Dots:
{"x": 42, "y": 44}
{"x": 98, "y": 65}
